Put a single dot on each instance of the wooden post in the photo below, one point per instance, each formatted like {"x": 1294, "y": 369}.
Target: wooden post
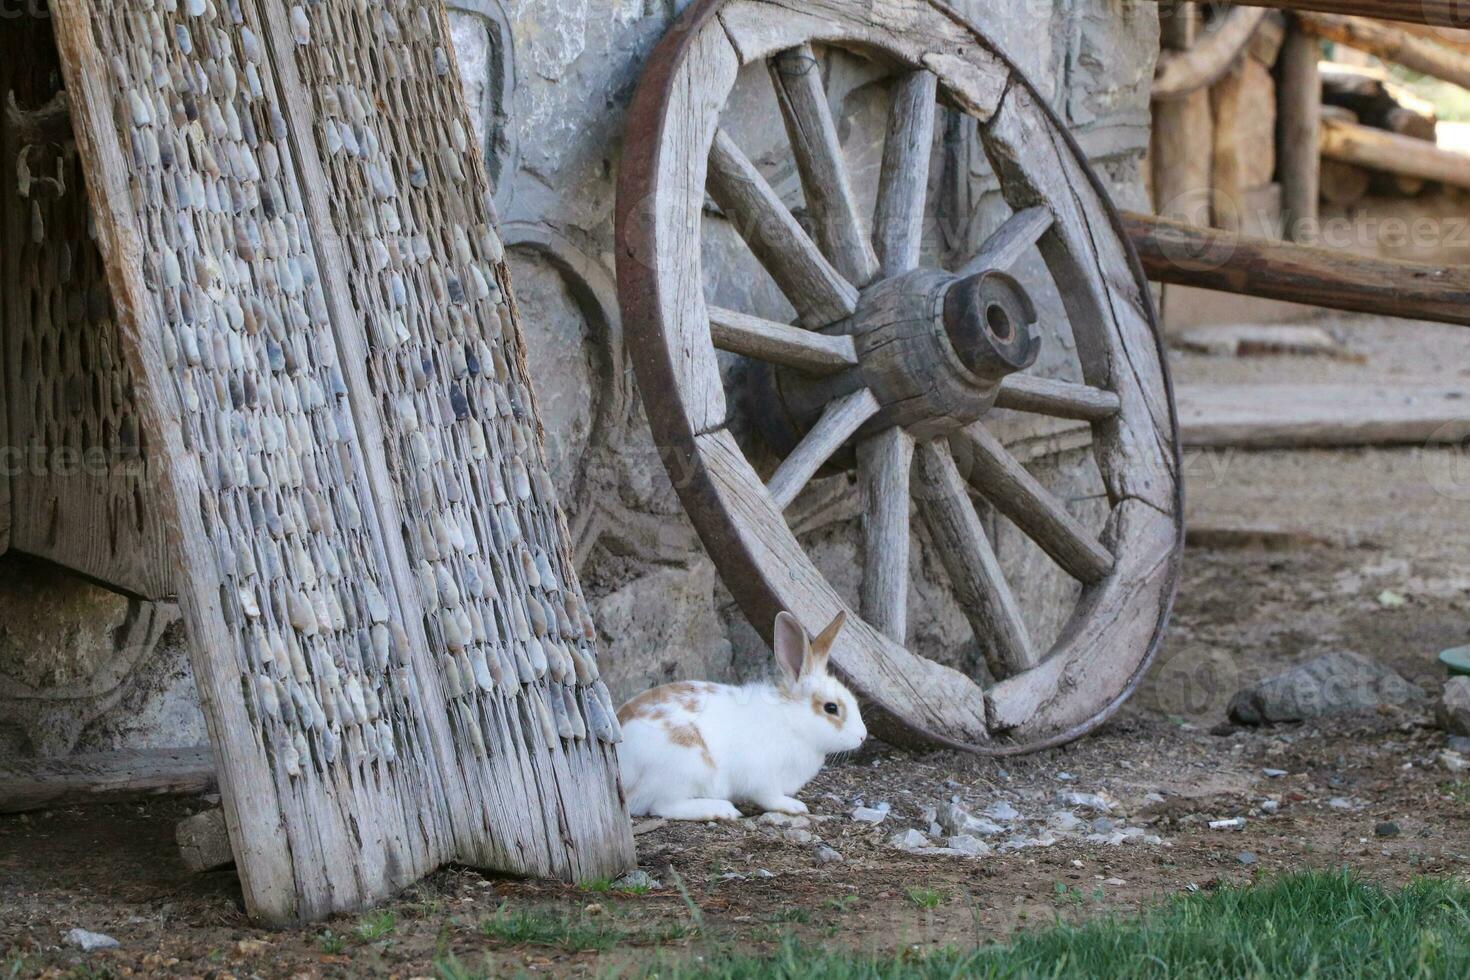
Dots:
{"x": 1378, "y": 149}
{"x": 1180, "y": 153}
{"x": 1436, "y": 13}
{"x": 1298, "y": 128}
{"x": 1225, "y": 178}
{"x": 1173, "y": 252}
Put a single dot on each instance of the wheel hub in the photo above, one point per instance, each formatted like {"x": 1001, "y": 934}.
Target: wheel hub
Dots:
{"x": 932, "y": 347}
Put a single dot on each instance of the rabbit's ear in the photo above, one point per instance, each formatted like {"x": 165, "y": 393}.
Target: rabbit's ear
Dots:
{"x": 792, "y": 648}
{"x": 816, "y": 661}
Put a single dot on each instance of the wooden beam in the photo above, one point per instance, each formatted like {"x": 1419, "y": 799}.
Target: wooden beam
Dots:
{"x": 1298, "y": 132}
{"x": 1315, "y": 416}
{"x": 1391, "y": 43}
{"x": 1184, "y": 255}
{"x": 1378, "y": 149}
{"x": 105, "y": 777}
{"x": 1443, "y": 13}
{"x": 1180, "y": 72}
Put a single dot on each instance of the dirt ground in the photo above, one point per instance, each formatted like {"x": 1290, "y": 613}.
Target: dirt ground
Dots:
{"x": 1294, "y": 554}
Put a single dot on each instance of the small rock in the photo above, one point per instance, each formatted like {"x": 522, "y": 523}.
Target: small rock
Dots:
{"x": 89, "y": 942}
{"x": 1459, "y": 743}
{"x": 798, "y": 836}
{"x": 1273, "y": 773}
{"x": 763, "y": 873}
{"x": 967, "y": 845}
{"x": 1331, "y": 684}
{"x": 1452, "y": 761}
{"x": 1387, "y": 829}
{"x": 637, "y": 879}
{"x": 1341, "y": 803}
{"x": 955, "y": 819}
{"x": 1454, "y": 706}
{"x": 1002, "y": 812}
{"x": 826, "y": 855}
{"x": 1102, "y": 825}
{"x": 909, "y": 840}
{"x": 1234, "y": 823}
{"x": 1085, "y": 801}
{"x": 1270, "y": 806}
{"x": 1246, "y": 858}
{"x": 868, "y": 814}
{"x": 1065, "y": 821}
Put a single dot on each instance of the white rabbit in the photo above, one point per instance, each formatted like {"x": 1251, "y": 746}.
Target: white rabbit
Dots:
{"x": 692, "y": 750}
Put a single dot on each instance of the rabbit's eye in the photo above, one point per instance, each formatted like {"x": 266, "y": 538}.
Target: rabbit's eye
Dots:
{"x": 831, "y": 708}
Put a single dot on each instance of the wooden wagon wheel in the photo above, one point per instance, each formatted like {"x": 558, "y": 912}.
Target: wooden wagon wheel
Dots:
{"x": 903, "y": 363}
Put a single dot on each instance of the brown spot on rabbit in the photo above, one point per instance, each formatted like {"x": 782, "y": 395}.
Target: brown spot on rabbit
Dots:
{"x": 837, "y": 718}
{"x": 653, "y": 705}
{"x": 688, "y": 736}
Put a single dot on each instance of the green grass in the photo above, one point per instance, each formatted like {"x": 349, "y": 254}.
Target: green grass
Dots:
{"x": 926, "y": 898}
{"x": 331, "y": 943}
{"x": 1322, "y": 925}
{"x": 558, "y": 930}
{"x": 376, "y": 925}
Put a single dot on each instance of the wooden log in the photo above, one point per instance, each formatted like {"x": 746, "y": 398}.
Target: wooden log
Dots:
{"x": 1344, "y": 184}
{"x": 1429, "y": 12}
{"x": 1392, "y": 153}
{"x": 1376, "y": 102}
{"x": 1226, "y": 185}
{"x": 1181, "y": 72}
{"x": 204, "y": 841}
{"x": 1181, "y": 156}
{"x": 105, "y": 777}
{"x": 1314, "y": 416}
{"x": 1391, "y": 44}
{"x": 1173, "y": 252}
{"x": 1179, "y": 23}
{"x": 1298, "y": 129}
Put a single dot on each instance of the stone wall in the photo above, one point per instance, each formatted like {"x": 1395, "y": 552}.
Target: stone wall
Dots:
{"x": 82, "y": 669}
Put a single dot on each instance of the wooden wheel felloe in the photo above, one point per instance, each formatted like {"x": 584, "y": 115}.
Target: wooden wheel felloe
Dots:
{"x": 894, "y": 366}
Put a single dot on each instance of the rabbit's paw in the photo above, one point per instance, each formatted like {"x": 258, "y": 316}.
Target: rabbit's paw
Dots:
{"x": 782, "y": 804}
{"x": 697, "y": 809}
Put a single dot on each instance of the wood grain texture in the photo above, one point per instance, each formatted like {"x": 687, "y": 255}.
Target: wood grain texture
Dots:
{"x": 1180, "y": 157}
{"x": 1017, "y": 235}
{"x": 838, "y": 423}
{"x": 1391, "y": 153}
{"x": 1180, "y": 72}
{"x": 105, "y": 777}
{"x": 1057, "y": 399}
{"x": 885, "y": 465}
{"x": 336, "y": 600}
{"x": 1331, "y": 278}
{"x": 1312, "y": 416}
{"x": 76, "y": 461}
{"x": 1434, "y": 13}
{"x": 974, "y": 571}
{"x": 810, "y": 282}
{"x": 1391, "y": 43}
{"x": 780, "y": 343}
{"x": 998, "y": 477}
{"x": 903, "y": 181}
{"x": 796, "y": 76}
{"x": 1298, "y": 134}
{"x": 1227, "y": 185}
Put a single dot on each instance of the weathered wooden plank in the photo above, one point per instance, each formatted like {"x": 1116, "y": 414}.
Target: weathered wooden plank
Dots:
{"x": 1227, "y": 188}
{"x": 105, "y": 777}
{"x": 1180, "y": 72}
{"x": 818, "y": 291}
{"x": 780, "y": 343}
{"x": 974, "y": 570}
{"x": 838, "y": 423}
{"x": 1058, "y": 399}
{"x": 1338, "y": 280}
{"x": 1435, "y": 13}
{"x": 1392, "y": 153}
{"x": 796, "y": 75}
{"x": 903, "y": 181}
{"x": 1005, "y": 483}
{"x": 1003, "y": 249}
{"x": 885, "y": 464}
{"x": 1302, "y": 416}
{"x": 74, "y": 459}
{"x": 328, "y": 675}
{"x": 1298, "y": 134}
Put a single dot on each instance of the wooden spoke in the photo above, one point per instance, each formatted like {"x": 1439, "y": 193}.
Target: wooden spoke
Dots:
{"x": 1058, "y": 399}
{"x": 974, "y": 570}
{"x": 903, "y": 184}
{"x": 818, "y": 291}
{"x": 1011, "y": 240}
{"x": 780, "y": 343}
{"x": 1003, "y": 481}
{"x": 797, "y": 76}
{"x": 841, "y": 419}
{"x": 884, "y": 465}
